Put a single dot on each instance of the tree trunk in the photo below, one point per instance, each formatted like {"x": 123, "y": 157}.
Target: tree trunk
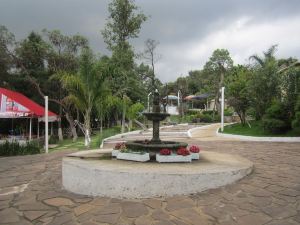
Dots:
{"x": 123, "y": 115}
{"x": 78, "y": 119}
{"x": 130, "y": 125}
{"x": 217, "y": 103}
{"x": 242, "y": 116}
{"x": 60, "y": 134}
{"x": 221, "y": 84}
{"x": 101, "y": 125}
{"x": 72, "y": 126}
{"x": 87, "y": 127}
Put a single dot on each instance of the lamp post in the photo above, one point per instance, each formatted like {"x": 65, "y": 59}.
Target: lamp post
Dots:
{"x": 222, "y": 108}
{"x": 179, "y": 102}
{"x": 46, "y": 124}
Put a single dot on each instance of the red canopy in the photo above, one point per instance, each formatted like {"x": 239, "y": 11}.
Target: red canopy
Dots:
{"x": 14, "y": 104}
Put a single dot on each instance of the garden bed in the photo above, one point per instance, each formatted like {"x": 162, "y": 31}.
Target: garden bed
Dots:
{"x": 256, "y": 130}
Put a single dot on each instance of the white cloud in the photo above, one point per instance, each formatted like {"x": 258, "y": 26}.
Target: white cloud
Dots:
{"x": 243, "y": 37}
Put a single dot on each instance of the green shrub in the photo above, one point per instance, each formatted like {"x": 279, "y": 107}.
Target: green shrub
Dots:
{"x": 53, "y": 139}
{"x": 276, "y": 119}
{"x": 14, "y": 148}
{"x": 217, "y": 118}
{"x": 192, "y": 112}
{"x": 296, "y": 121}
{"x": 205, "y": 118}
{"x": 276, "y": 111}
{"x": 274, "y": 126}
{"x": 228, "y": 112}
{"x": 209, "y": 112}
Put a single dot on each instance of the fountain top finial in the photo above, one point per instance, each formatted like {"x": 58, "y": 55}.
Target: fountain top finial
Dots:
{"x": 156, "y": 101}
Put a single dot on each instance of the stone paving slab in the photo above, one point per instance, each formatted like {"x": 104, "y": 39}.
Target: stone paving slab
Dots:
{"x": 269, "y": 196}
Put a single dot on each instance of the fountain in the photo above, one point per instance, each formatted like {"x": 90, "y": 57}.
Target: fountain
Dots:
{"x": 96, "y": 173}
{"x": 155, "y": 144}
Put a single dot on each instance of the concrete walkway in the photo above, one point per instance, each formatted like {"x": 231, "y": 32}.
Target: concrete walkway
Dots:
{"x": 31, "y": 193}
{"x": 208, "y": 133}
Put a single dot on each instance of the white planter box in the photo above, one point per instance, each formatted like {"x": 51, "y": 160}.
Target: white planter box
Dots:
{"x": 134, "y": 156}
{"x": 173, "y": 158}
{"x": 114, "y": 153}
{"x": 195, "y": 156}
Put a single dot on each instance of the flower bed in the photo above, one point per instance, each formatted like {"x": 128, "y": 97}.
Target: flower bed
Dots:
{"x": 165, "y": 151}
{"x": 183, "y": 151}
{"x": 134, "y": 156}
{"x": 181, "y": 155}
{"x": 173, "y": 158}
{"x": 195, "y": 150}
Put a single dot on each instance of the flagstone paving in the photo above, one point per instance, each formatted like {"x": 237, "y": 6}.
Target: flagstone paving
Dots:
{"x": 270, "y": 195}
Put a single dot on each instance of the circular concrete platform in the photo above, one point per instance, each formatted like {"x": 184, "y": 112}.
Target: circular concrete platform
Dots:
{"x": 85, "y": 173}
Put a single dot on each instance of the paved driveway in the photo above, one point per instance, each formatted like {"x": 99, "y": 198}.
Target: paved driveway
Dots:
{"x": 31, "y": 193}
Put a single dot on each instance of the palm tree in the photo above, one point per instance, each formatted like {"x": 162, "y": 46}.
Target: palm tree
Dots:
{"x": 265, "y": 85}
{"x": 268, "y": 55}
{"x": 86, "y": 87}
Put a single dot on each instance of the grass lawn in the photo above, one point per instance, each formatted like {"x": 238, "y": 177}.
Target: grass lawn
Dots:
{"x": 256, "y": 130}
{"x": 96, "y": 140}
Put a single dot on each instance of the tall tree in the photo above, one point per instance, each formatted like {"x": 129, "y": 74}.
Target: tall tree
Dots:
{"x": 238, "y": 93}
{"x": 124, "y": 23}
{"x": 151, "y": 57}
{"x": 63, "y": 58}
{"x": 217, "y": 66}
{"x": 7, "y": 40}
{"x": 32, "y": 53}
{"x": 85, "y": 87}
{"x": 265, "y": 83}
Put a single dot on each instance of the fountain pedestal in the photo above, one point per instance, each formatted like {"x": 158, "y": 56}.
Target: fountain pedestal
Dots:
{"x": 155, "y": 144}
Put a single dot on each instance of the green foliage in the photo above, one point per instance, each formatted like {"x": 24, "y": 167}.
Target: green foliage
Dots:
{"x": 238, "y": 92}
{"x": 296, "y": 121}
{"x": 7, "y": 40}
{"x": 14, "y": 148}
{"x": 265, "y": 82}
{"x": 209, "y": 112}
{"x": 219, "y": 61}
{"x": 97, "y": 139}
{"x": 205, "y": 118}
{"x": 53, "y": 139}
{"x": 216, "y": 70}
{"x": 135, "y": 110}
{"x": 276, "y": 120}
{"x": 33, "y": 51}
{"x": 228, "y": 112}
{"x": 124, "y": 22}
{"x": 274, "y": 126}
{"x": 85, "y": 87}
{"x": 256, "y": 129}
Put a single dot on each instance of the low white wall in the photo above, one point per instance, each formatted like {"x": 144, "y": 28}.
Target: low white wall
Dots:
{"x": 263, "y": 139}
{"x": 121, "y": 179}
{"x": 190, "y": 131}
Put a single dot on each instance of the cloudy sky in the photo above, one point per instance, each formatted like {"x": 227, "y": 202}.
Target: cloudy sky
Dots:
{"x": 188, "y": 30}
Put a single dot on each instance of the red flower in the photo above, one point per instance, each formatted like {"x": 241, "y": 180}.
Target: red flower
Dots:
{"x": 165, "y": 151}
{"x": 194, "y": 149}
{"x": 119, "y": 146}
{"x": 183, "y": 151}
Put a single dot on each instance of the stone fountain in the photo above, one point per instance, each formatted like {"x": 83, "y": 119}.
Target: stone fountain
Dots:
{"x": 96, "y": 173}
{"x": 155, "y": 144}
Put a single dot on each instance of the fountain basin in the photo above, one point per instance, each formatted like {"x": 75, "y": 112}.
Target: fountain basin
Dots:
{"x": 93, "y": 173}
{"x": 154, "y": 148}
{"x": 156, "y": 116}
